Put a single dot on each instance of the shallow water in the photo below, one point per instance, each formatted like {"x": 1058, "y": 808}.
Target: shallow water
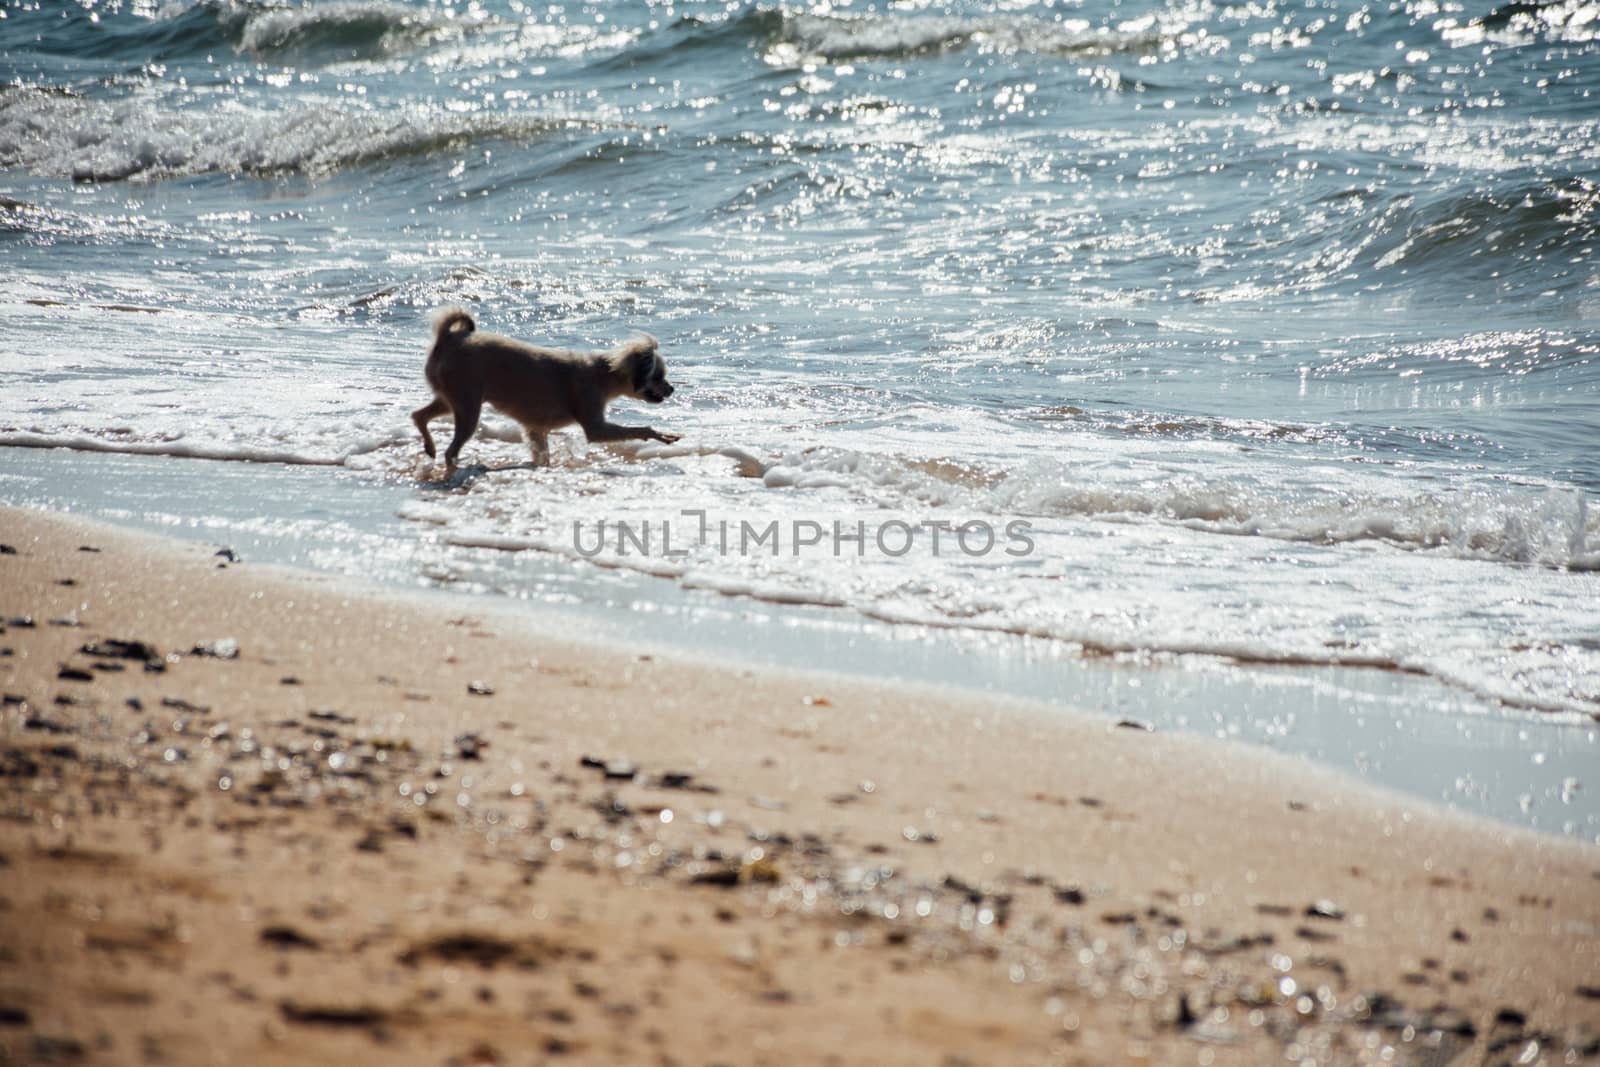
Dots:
{"x": 1406, "y": 732}
{"x": 1277, "y": 325}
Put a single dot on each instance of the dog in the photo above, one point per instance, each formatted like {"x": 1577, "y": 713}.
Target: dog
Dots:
{"x": 543, "y": 389}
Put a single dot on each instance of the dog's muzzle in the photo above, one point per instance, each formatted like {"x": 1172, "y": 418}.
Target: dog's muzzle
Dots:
{"x": 656, "y": 396}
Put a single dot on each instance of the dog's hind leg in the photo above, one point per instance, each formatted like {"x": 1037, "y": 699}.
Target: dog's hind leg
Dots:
{"x": 467, "y": 412}
{"x": 426, "y": 414}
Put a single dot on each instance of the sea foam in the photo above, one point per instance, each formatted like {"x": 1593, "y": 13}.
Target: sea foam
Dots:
{"x": 145, "y": 135}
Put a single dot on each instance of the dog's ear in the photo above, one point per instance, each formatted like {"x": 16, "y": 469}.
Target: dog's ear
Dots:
{"x": 641, "y": 366}
{"x": 634, "y": 361}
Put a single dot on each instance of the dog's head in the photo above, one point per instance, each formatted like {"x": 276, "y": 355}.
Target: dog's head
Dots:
{"x": 646, "y": 370}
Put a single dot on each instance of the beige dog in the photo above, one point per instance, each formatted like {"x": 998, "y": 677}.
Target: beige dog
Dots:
{"x": 543, "y": 389}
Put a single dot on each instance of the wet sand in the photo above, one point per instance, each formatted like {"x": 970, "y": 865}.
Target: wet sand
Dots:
{"x": 258, "y": 816}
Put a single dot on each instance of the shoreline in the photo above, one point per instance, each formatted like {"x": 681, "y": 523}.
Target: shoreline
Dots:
{"x": 1416, "y": 735}
{"x": 451, "y": 837}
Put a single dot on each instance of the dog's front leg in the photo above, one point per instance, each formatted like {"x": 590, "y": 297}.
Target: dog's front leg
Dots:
{"x": 602, "y": 432}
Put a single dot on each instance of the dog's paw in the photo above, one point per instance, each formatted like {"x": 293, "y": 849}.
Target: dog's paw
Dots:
{"x": 668, "y": 438}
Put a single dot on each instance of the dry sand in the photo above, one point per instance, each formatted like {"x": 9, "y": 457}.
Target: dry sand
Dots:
{"x": 374, "y": 828}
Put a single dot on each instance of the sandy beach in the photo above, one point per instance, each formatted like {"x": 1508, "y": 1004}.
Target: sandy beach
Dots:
{"x": 259, "y": 816}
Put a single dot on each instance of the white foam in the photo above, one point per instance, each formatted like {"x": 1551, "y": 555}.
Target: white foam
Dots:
{"x": 1341, "y": 571}
{"x": 792, "y": 477}
{"x": 178, "y": 448}
{"x": 834, "y": 37}
{"x": 152, "y": 133}
{"x": 366, "y": 27}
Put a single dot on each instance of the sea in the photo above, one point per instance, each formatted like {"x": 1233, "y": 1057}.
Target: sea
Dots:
{"x": 1221, "y": 367}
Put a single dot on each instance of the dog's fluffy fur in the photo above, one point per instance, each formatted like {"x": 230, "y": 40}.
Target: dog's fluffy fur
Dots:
{"x": 544, "y": 389}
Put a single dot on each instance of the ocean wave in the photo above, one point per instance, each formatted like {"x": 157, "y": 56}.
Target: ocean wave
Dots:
{"x": 1553, "y": 528}
{"x": 1549, "y": 527}
{"x": 322, "y": 33}
{"x": 306, "y": 36}
{"x": 794, "y": 37}
{"x": 1511, "y": 217}
{"x": 691, "y": 38}
{"x": 329, "y": 32}
{"x": 1144, "y": 575}
{"x": 1519, "y": 226}
{"x": 786, "y": 36}
{"x": 1486, "y": 356}
{"x": 1525, "y": 21}
{"x": 348, "y": 30}
{"x": 142, "y": 136}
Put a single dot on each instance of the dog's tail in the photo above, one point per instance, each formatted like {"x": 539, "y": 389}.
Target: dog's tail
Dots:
{"x": 451, "y": 323}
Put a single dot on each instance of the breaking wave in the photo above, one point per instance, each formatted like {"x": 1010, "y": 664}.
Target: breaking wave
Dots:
{"x": 142, "y": 137}
{"x": 339, "y": 31}
{"x": 1548, "y": 528}
{"x": 358, "y": 29}
{"x": 793, "y": 36}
